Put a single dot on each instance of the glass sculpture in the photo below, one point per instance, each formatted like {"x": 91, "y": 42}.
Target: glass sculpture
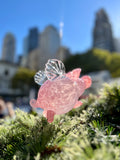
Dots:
{"x": 59, "y": 91}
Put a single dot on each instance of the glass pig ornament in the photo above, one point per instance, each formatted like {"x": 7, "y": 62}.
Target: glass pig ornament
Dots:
{"x": 59, "y": 91}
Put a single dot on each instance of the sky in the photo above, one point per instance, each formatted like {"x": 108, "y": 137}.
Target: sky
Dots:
{"x": 78, "y": 16}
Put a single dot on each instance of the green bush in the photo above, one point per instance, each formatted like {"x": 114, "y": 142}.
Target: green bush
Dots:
{"x": 90, "y": 132}
{"x": 26, "y": 134}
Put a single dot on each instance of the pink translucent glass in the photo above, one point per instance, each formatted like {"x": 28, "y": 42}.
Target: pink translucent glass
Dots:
{"x": 61, "y": 94}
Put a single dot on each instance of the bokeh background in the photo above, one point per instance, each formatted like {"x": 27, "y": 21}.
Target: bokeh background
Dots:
{"x": 84, "y": 34}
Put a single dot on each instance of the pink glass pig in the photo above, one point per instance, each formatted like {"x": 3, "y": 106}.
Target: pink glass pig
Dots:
{"x": 60, "y": 91}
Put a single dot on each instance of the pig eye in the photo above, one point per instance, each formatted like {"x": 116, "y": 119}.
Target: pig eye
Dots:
{"x": 54, "y": 68}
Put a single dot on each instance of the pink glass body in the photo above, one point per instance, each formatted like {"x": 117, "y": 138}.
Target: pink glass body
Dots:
{"x": 61, "y": 95}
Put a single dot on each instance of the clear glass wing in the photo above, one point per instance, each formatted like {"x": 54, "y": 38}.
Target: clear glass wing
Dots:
{"x": 54, "y": 68}
{"x": 40, "y": 77}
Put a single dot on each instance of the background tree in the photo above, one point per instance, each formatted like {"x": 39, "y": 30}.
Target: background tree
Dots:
{"x": 24, "y": 79}
{"x": 95, "y": 60}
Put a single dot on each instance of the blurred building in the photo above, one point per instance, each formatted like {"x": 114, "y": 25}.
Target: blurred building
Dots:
{"x": 25, "y": 46}
{"x": 49, "y": 47}
{"x": 32, "y": 41}
{"x": 19, "y": 59}
{"x": 49, "y": 44}
{"x": 50, "y": 41}
{"x": 8, "y": 50}
{"x": 63, "y": 53}
{"x": 102, "y": 32}
{"x": 7, "y": 71}
{"x": 117, "y": 44}
{"x": 37, "y": 60}
{"x": 33, "y": 60}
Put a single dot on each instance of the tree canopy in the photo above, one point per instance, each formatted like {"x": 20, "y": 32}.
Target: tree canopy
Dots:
{"x": 95, "y": 60}
{"x": 23, "y": 79}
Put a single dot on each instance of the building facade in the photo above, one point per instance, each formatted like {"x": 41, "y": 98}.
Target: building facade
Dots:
{"x": 50, "y": 41}
{"x": 49, "y": 44}
{"x": 32, "y": 41}
{"x": 7, "y": 71}
{"x": 33, "y": 60}
{"x": 8, "y": 50}
{"x": 117, "y": 44}
{"x": 48, "y": 48}
{"x": 63, "y": 53}
{"x": 102, "y": 32}
{"x": 25, "y": 46}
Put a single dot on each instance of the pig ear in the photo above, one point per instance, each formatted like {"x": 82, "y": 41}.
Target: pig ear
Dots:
{"x": 54, "y": 68}
{"x": 87, "y": 80}
{"x": 74, "y": 74}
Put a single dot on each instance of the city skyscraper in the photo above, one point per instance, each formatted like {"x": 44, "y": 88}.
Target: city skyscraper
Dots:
{"x": 49, "y": 45}
{"x": 50, "y": 41}
{"x": 8, "y": 50}
{"x": 117, "y": 44}
{"x": 25, "y": 46}
{"x": 102, "y": 32}
{"x": 30, "y": 43}
{"x": 33, "y": 39}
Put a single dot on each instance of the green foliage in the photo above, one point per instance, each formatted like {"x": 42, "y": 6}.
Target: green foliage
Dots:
{"x": 114, "y": 65}
{"x": 110, "y": 106}
{"x": 116, "y": 73}
{"x": 23, "y": 79}
{"x": 26, "y": 134}
{"x": 85, "y": 150}
{"x": 95, "y": 60}
{"x": 90, "y": 132}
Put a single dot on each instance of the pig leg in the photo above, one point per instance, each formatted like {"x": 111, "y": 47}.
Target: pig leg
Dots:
{"x": 45, "y": 113}
{"x": 78, "y": 104}
{"x": 50, "y": 116}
